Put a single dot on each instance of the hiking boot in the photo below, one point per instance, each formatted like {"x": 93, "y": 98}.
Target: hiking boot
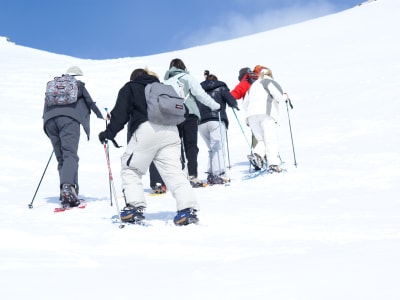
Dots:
{"x": 159, "y": 189}
{"x": 215, "y": 179}
{"x": 132, "y": 214}
{"x": 68, "y": 196}
{"x": 256, "y": 160}
{"x": 274, "y": 169}
{"x": 186, "y": 216}
{"x": 195, "y": 182}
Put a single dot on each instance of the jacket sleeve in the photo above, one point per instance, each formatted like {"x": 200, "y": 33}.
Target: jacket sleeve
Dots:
{"x": 90, "y": 103}
{"x": 120, "y": 113}
{"x": 240, "y": 89}
{"x": 275, "y": 93}
{"x": 227, "y": 96}
{"x": 200, "y": 94}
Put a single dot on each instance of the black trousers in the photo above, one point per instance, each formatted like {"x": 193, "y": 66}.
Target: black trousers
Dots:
{"x": 188, "y": 133}
{"x": 155, "y": 176}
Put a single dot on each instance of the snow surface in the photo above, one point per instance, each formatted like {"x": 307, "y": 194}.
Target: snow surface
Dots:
{"x": 328, "y": 229}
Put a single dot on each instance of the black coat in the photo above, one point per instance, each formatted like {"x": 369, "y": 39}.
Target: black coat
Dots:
{"x": 131, "y": 106}
{"x": 219, "y": 91}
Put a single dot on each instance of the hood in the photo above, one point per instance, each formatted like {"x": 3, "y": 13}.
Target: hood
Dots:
{"x": 146, "y": 79}
{"x": 209, "y": 85}
{"x": 172, "y": 72}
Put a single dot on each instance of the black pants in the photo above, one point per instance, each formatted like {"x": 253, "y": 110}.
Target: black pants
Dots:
{"x": 64, "y": 134}
{"x": 155, "y": 176}
{"x": 188, "y": 133}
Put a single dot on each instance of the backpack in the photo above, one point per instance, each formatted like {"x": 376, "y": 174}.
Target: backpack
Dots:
{"x": 164, "y": 105}
{"x": 178, "y": 85}
{"x": 61, "y": 90}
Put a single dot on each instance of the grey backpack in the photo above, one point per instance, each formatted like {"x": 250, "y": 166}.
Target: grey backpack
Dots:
{"x": 164, "y": 106}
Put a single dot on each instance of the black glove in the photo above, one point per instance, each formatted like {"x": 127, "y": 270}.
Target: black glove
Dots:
{"x": 237, "y": 108}
{"x": 103, "y": 137}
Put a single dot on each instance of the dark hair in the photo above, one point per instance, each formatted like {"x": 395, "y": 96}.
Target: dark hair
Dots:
{"x": 211, "y": 77}
{"x": 138, "y": 72}
{"x": 177, "y": 63}
{"x": 242, "y": 72}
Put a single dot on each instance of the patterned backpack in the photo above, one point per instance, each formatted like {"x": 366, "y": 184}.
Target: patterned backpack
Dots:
{"x": 61, "y": 91}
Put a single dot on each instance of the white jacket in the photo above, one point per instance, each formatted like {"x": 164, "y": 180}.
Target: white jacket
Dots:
{"x": 263, "y": 97}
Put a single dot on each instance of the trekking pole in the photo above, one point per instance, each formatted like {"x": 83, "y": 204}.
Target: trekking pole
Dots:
{"x": 112, "y": 184}
{"x": 251, "y": 148}
{"x": 222, "y": 142}
{"x": 45, "y": 169}
{"x": 240, "y": 125}
{"x": 227, "y": 150}
{"x": 108, "y": 154}
{"x": 288, "y": 102}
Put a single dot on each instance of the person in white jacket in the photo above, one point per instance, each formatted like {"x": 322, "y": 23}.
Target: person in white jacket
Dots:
{"x": 261, "y": 106}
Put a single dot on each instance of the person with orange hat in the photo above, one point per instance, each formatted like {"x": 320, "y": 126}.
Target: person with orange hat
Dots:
{"x": 261, "y": 106}
{"x": 246, "y": 78}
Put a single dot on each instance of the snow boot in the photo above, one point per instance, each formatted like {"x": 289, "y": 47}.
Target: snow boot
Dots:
{"x": 159, "y": 189}
{"x": 215, "y": 179}
{"x": 274, "y": 169}
{"x": 256, "y": 161}
{"x": 69, "y": 197}
{"x": 132, "y": 214}
{"x": 195, "y": 182}
{"x": 186, "y": 216}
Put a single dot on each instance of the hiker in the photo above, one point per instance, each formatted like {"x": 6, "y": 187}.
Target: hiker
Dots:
{"x": 157, "y": 184}
{"x": 213, "y": 126}
{"x": 62, "y": 126}
{"x": 149, "y": 142}
{"x": 246, "y": 78}
{"x": 188, "y": 130}
{"x": 261, "y": 106}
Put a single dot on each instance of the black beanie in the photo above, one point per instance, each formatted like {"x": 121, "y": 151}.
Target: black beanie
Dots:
{"x": 242, "y": 72}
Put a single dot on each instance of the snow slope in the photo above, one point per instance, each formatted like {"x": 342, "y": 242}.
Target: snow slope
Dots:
{"x": 328, "y": 229}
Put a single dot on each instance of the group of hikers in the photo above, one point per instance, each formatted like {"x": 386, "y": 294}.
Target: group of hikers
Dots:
{"x": 169, "y": 152}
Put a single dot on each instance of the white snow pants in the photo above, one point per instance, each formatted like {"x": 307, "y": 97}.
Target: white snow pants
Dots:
{"x": 265, "y": 130}
{"x": 211, "y": 133}
{"x": 160, "y": 144}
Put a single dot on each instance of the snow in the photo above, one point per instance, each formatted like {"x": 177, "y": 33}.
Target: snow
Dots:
{"x": 326, "y": 229}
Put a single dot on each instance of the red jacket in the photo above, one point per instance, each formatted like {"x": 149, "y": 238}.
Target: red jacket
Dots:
{"x": 243, "y": 86}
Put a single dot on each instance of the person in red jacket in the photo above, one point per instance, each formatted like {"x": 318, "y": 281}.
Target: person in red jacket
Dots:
{"x": 246, "y": 78}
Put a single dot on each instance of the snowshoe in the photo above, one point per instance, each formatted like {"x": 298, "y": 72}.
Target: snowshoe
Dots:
{"x": 132, "y": 214}
{"x": 185, "y": 217}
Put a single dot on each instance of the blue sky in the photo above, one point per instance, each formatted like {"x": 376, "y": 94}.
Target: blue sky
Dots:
{"x": 102, "y": 29}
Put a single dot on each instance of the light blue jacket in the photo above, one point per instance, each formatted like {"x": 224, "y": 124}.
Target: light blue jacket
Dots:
{"x": 195, "y": 90}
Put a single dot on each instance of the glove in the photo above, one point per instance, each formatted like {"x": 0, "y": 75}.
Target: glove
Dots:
{"x": 237, "y": 108}
{"x": 217, "y": 109}
{"x": 103, "y": 137}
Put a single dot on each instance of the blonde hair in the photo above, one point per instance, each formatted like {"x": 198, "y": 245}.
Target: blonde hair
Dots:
{"x": 266, "y": 71}
{"x": 151, "y": 73}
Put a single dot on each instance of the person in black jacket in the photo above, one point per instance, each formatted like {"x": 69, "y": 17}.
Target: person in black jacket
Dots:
{"x": 61, "y": 123}
{"x": 149, "y": 142}
{"x": 213, "y": 126}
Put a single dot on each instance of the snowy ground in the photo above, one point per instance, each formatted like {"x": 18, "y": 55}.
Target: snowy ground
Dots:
{"x": 328, "y": 229}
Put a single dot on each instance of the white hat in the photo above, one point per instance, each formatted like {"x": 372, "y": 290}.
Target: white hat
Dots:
{"x": 75, "y": 71}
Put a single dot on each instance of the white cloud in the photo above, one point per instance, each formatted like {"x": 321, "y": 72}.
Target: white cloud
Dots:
{"x": 234, "y": 25}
